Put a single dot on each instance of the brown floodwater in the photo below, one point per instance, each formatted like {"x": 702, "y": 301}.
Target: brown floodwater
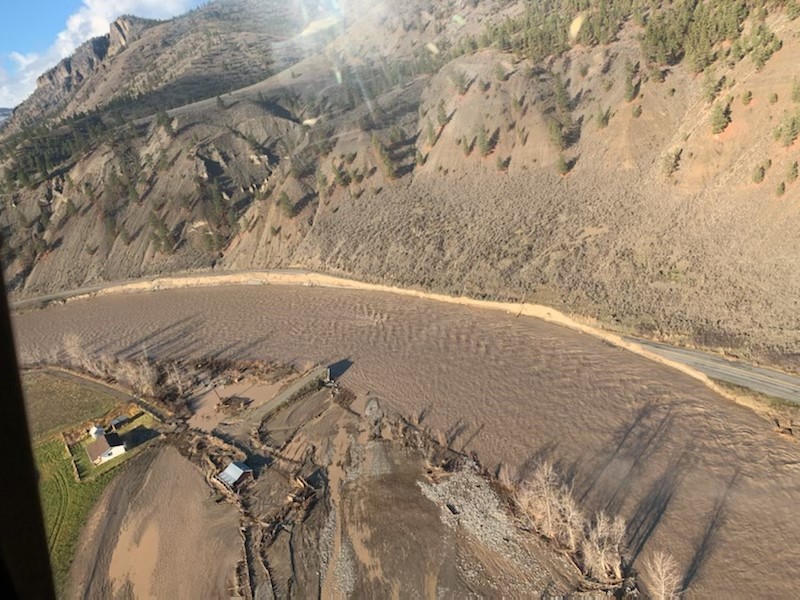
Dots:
{"x": 695, "y": 474}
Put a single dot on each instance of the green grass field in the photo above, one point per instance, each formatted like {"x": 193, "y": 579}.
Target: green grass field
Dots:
{"x": 56, "y": 403}
{"x": 66, "y": 504}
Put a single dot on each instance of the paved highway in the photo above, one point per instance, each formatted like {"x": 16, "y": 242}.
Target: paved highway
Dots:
{"x": 766, "y": 381}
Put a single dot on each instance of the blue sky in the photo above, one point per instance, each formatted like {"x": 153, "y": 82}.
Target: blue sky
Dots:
{"x": 36, "y": 34}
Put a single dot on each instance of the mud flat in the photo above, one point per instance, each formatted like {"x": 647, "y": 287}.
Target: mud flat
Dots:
{"x": 693, "y": 473}
{"x": 156, "y": 533}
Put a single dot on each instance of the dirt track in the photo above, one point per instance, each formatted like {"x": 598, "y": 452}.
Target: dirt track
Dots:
{"x": 694, "y": 474}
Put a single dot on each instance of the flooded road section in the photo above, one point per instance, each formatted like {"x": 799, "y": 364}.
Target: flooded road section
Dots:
{"x": 694, "y": 474}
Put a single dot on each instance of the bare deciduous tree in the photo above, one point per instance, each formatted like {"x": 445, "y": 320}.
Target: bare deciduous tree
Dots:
{"x": 664, "y": 579}
{"x": 602, "y": 548}
{"x": 550, "y": 504}
{"x": 140, "y": 375}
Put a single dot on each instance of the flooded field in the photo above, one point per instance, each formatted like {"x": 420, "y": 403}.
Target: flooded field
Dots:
{"x": 693, "y": 473}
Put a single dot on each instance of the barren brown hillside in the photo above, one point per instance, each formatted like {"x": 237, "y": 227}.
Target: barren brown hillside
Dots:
{"x": 413, "y": 151}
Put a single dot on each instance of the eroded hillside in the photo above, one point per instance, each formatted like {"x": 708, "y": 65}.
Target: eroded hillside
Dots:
{"x": 634, "y": 163}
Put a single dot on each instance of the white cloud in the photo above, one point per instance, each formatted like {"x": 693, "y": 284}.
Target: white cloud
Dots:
{"x": 90, "y": 20}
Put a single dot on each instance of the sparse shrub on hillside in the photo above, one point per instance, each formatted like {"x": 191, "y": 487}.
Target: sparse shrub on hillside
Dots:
{"x": 286, "y": 205}
{"x": 720, "y": 117}
{"x": 467, "y": 145}
{"x": 796, "y": 90}
{"x": 672, "y": 161}
{"x": 773, "y": 98}
{"x": 430, "y": 134}
{"x": 791, "y": 176}
{"x": 665, "y": 579}
{"x": 160, "y": 234}
{"x": 657, "y": 74}
{"x": 781, "y": 189}
{"x": 637, "y": 111}
{"x": 386, "y": 157}
{"x": 557, "y": 134}
{"x": 164, "y": 121}
{"x": 500, "y": 73}
{"x": 788, "y": 130}
{"x": 221, "y": 103}
{"x": 759, "y": 173}
{"x": 711, "y": 86}
{"x": 341, "y": 176}
{"x": 631, "y": 87}
{"x": 396, "y": 135}
{"x": 460, "y": 81}
{"x": 762, "y": 44}
{"x": 70, "y": 210}
{"x": 793, "y": 9}
{"x": 502, "y": 163}
{"x": 561, "y": 94}
{"x": 441, "y": 114}
{"x": 322, "y": 184}
{"x": 747, "y": 97}
{"x": 602, "y": 117}
{"x": 419, "y": 159}
{"x": 484, "y": 141}
{"x": 562, "y": 165}
{"x": 583, "y": 70}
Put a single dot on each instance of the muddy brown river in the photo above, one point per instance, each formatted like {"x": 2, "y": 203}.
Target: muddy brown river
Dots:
{"x": 695, "y": 474}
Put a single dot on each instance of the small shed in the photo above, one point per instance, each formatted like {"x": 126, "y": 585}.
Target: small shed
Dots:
{"x": 118, "y": 422}
{"x": 235, "y": 475}
{"x": 96, "y": 431}
{"x": 105, "y": 448}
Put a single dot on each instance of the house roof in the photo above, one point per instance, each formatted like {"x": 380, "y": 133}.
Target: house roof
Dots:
{"x": 233, "y": 472}
{"x": 102, "y": 444}
{"x": 114, "y": 440}
{"x": 96, "y": 449}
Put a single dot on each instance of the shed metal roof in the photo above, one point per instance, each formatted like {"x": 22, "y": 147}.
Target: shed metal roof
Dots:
{"x": 233, "y": 473}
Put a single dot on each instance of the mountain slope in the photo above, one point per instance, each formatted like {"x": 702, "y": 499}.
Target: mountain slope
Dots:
{"x": 142, "y": 65}
{"x": 589, "y": 162}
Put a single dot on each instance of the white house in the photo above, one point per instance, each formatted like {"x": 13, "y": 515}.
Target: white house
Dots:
{"x": 105, "y": 448}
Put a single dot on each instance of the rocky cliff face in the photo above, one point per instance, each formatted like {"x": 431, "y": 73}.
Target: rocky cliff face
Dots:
{"x": 591, "y": 180}
{"x": 56, "y": 86}
{"x": 212, "y": 50}
{"x": 123, "y": 32}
